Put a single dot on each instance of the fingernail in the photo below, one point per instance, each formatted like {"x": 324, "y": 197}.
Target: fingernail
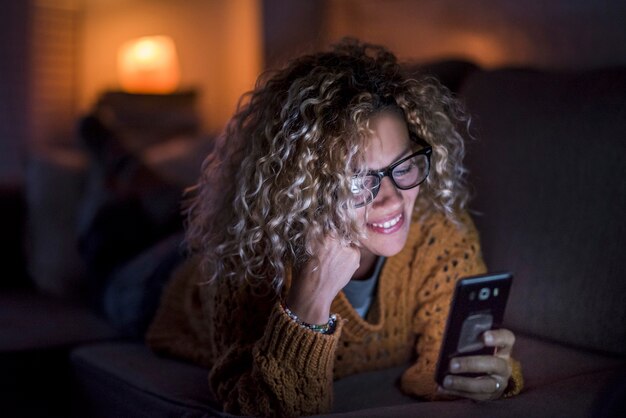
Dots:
{"x": 454, "y": 365}
{"x": 447, "y": 382}
{"x": 488, "y": 337}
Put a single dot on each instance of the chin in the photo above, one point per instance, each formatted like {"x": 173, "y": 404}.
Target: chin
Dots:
{"x": 387, "y": 247}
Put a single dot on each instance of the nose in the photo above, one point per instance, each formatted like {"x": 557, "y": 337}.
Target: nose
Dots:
{"x": 388, "y": 194}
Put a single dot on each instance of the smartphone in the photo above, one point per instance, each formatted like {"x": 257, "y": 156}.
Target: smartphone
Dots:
{"x": 477, "y": 306}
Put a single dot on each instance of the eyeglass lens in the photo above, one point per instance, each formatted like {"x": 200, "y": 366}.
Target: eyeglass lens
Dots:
{"x": 406, "y": 175}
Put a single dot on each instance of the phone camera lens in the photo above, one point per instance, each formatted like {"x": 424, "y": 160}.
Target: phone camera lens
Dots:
{"x": 484, "y": 293}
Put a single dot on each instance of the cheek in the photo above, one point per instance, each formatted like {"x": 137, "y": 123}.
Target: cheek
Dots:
{"x": 361, "y": 215}
{"x": 410, "y": 196}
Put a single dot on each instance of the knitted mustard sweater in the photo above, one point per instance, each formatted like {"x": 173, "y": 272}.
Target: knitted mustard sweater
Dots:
{"x": 263, "y": 363}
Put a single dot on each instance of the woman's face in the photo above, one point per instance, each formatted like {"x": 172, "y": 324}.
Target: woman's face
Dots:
{"x": 388, "y": 217}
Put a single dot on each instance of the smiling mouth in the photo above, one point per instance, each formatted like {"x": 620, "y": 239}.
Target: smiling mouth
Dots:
{"x": 388, "y": 224}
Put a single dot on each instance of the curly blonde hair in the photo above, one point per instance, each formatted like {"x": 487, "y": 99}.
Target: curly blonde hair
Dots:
{"x": 279, "y": 178}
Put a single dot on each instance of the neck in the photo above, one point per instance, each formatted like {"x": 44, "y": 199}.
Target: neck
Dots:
{"x": 366, "y": 265}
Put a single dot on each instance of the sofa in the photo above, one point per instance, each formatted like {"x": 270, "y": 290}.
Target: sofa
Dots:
{"x": 546, "y": 156}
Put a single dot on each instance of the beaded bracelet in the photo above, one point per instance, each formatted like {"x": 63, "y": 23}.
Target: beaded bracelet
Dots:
{"x": 327, "y": 328}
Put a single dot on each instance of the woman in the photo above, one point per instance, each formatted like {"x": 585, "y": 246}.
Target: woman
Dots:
{"x": 328, "y": 231}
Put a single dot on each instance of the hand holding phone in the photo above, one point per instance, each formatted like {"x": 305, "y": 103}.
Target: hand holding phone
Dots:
{"x": 477, "y": 306}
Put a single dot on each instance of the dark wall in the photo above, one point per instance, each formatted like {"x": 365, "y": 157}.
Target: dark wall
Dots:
{"x": 290, "y": 28}
{"x": 556, "y": 34}
{"x": 14, "y": 87}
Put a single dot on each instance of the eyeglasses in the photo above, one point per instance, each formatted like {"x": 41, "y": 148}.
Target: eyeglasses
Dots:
{"x": 405, "y": 174}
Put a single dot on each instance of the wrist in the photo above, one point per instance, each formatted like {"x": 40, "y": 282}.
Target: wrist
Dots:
{"x": 326, "y": 328}
{"x": 311, "y": 311}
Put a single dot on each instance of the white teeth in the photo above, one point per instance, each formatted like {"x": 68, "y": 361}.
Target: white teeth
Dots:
{"x": 389, "y": 223}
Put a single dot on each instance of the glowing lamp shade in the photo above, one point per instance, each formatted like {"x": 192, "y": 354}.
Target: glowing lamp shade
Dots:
{"x": 148, "y": 65}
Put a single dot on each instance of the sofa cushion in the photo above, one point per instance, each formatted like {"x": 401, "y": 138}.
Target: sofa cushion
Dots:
{"x": 127, "y": 379}
{"x": 120, "y": 379}
{"x": 549, "y": 179}
{"x": 580, "y": 396}
{"x": 548, "y": 368}
{"x": 31, "y": 321}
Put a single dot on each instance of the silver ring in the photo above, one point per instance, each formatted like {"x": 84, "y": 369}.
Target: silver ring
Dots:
{"x": 497, "y": 385}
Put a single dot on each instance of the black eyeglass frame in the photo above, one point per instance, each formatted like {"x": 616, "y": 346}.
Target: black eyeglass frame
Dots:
{"x": 387, "y": 171}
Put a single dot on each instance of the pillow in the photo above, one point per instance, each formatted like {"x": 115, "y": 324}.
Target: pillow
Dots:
{"x": 133, "y": 292}
{"x": 53, "y": 192}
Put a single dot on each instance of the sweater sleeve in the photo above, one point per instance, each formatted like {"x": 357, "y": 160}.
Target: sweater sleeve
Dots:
{"x": 445, "y": 254}
{"x": 261, "y": 362}
{"x": 288, "y": 372}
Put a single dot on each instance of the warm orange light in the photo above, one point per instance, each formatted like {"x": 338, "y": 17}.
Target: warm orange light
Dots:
{"x": 148, "y": 65}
